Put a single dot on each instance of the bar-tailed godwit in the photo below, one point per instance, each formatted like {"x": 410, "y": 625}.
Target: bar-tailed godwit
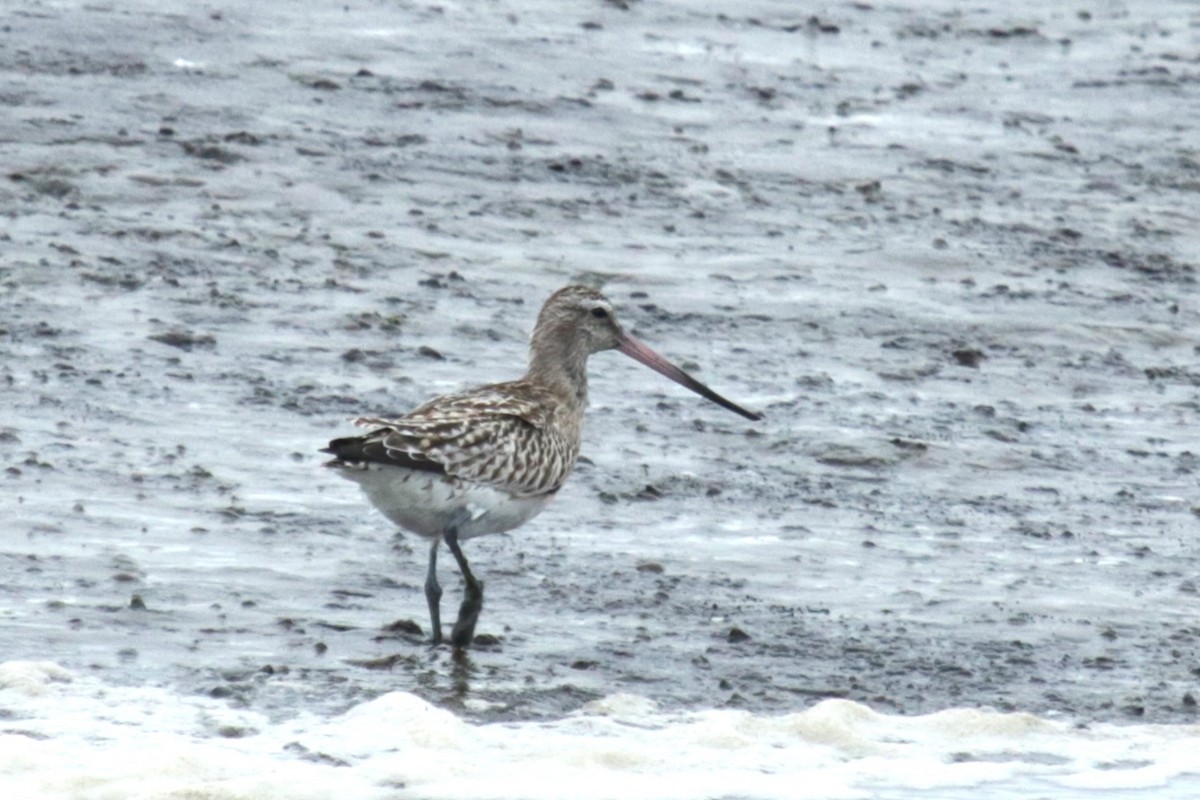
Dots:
{"x": 489, "y": 459}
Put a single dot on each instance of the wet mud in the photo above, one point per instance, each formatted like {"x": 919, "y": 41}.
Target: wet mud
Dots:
{"x": 951, "y": 254}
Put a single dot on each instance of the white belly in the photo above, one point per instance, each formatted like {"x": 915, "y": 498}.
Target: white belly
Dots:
{"x": 427, "y": 504}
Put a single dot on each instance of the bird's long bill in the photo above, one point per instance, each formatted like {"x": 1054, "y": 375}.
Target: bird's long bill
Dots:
{"x": 639, "y": 352}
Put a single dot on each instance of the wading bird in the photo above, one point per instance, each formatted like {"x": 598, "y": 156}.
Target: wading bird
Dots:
{"x": 489, "y": 459}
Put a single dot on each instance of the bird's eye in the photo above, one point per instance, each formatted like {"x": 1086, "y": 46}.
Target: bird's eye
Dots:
{"x": 599, "y": 313}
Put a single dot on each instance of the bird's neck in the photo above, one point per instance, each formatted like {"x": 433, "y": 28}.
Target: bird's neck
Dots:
{"x": 559, "y": 363}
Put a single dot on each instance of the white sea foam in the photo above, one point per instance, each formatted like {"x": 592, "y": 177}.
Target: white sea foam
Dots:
{"x": 70, "y": 737}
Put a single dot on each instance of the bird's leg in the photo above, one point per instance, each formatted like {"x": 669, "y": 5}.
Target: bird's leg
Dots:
{"x": 472, "y": 604}
{"x": 433, "y": 594}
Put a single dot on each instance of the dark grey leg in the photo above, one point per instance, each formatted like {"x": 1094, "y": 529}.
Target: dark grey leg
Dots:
{"x": 472, "y": 604}
{"x": 433, "y": 594}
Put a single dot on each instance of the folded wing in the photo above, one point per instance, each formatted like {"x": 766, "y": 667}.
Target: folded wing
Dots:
{"x": 495, "y": 436}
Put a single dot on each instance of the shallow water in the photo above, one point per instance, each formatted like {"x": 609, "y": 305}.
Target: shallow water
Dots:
{"x": 949, "y": 253}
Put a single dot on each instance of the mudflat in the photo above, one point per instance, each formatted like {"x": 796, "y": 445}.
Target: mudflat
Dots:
{"x": 951, "y": 253}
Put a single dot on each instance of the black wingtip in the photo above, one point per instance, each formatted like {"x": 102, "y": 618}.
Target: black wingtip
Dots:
{"x": 341, "y": 448}
{"x": 358, "y": 451}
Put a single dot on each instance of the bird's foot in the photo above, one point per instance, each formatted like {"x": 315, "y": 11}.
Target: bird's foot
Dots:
{"x": 468, "y": 615}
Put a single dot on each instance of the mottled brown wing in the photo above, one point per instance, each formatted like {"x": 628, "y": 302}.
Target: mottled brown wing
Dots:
{"x": 498, "y": 435}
